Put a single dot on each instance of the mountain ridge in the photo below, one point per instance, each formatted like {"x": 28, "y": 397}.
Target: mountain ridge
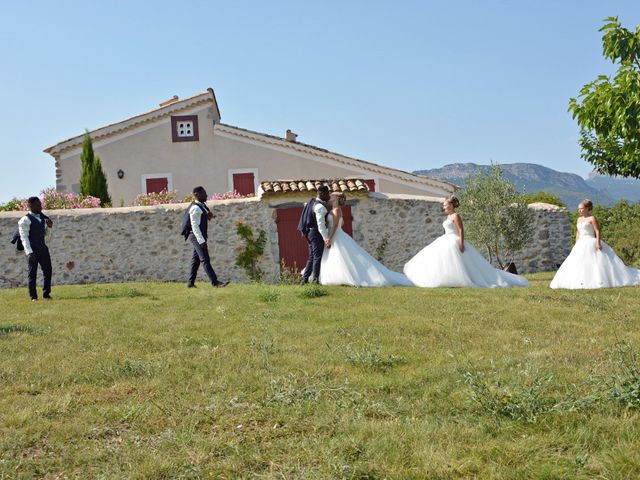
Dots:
{"x": 532, "y": 178}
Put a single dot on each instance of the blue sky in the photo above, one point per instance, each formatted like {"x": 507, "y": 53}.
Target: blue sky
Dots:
{"x": 409, "y": 84}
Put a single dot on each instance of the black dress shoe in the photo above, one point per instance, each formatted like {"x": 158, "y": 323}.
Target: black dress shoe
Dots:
{"x": 47, "y": 297}
{"x": 220, "y": 284}
{"x": 191, "y": 285}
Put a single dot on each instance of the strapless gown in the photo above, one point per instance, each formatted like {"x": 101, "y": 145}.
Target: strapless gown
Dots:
{"x": 442, "y": 264}
{"x": 347, "y": 263}
{"x": 588, "y": 267}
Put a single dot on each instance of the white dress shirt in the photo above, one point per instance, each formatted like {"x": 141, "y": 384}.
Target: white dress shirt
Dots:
{"x": 24, "y": 225}
{"x": 321, "y": 212}
{"x": 194, "y": 215}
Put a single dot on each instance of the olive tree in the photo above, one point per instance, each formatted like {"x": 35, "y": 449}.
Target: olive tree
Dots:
{"x": 496, "y": 215}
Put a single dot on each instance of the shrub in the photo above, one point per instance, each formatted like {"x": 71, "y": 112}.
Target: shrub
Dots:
{"x": 496, "y": 215}
{"x": 12, "y": 205}
{"x": 159, "y": 198}
{"x": 269, "y": 296}
{"x": 252, "y": 251}
{"x": 53, "y": 200}
{"x": 313, "y": 291}
{"x": 543, "y": 197}
{"x": 288, "y": 275}
{"x": 226, "y": 195}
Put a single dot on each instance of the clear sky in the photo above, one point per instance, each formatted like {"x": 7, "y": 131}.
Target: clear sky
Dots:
{"x": 409, "y": 84}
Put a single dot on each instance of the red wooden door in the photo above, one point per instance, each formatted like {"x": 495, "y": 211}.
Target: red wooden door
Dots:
{"x": 294, "y": 249}
{"x": 371, "y": 184}
{"x": 157, "y": 185}
{"x": 243, "y": 183}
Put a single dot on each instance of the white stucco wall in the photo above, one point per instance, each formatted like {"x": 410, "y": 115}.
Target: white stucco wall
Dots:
{"x": 150, "y": 150}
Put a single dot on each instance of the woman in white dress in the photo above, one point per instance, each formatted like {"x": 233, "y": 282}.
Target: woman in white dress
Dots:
{"x": 450, "y": 261}
{"x": 592, "y": 263}
{"x": 347, "y": 263}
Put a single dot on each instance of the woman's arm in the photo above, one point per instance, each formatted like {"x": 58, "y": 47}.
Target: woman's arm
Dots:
{"x": 458, "y": 223}
{"x": 337, "y": 215}
{"x": 596, "y": 228}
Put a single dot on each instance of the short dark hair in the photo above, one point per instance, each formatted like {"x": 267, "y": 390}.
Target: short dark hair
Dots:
{"x": 32, "y": 200}
{"x": 199, "y": 189}
{"x": 323, "y": 189}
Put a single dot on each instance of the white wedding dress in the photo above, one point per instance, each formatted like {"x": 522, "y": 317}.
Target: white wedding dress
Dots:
{"x": 442, "y": 264}
{"x": 347, "y": 263}
{"x": 588, "y": 267}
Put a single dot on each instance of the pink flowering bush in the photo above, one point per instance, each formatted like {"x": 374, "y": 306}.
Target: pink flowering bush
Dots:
{"x": 227, "y": 195}
{"x": 160, "y": 198}
{"x": 53, "y": 200}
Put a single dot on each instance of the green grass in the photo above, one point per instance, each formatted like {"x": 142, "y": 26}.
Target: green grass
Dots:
{"x": 153, "y": 380}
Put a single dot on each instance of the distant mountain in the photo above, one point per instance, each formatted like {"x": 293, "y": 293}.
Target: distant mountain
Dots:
{"x": 616, "y": 187}
{"x": 531, "y": 178}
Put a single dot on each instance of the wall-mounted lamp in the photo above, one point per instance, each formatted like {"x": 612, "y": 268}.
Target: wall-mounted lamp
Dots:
{"x": 120, "y": 173}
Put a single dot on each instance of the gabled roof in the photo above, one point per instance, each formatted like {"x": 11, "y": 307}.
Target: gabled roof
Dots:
{"x": 136, "y": 121}
{"x": 338, "y": 185}
{"x": 337, "y": 157}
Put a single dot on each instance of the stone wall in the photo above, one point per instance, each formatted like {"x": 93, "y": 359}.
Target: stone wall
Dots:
{"x": 552, "y": 240}
{"x": 144, "y": 243}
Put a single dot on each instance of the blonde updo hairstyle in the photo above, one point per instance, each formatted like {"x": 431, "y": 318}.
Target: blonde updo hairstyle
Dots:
{"x": 588, "y": 204}
{"x": 453, "y": 201}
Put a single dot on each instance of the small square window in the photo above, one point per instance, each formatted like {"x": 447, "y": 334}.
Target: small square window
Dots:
{"x": 184, "y": 128}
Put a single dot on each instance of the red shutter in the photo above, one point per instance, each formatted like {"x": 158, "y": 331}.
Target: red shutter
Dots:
{"x": 243, "y": 183}
{"x": 347, "y": 218}
{"x": 371, "y": 184}
{"x": 157, "y": 185}
{"x": 293, "y": 247}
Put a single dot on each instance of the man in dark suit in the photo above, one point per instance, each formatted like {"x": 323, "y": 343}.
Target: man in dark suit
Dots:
{"x": 195, "y": 227}
{"x": 313, "y": 226}
{"x": 32, "y": 229}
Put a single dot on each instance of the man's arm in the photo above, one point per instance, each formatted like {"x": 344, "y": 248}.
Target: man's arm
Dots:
{"x": 24, "y": 226}
{"x": 321, "y": 213}
{"x": 194, "y": 217}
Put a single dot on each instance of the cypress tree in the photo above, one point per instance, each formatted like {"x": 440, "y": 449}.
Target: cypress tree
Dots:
{"x": 92, "y": 178}
{"x": 86, "y": 166}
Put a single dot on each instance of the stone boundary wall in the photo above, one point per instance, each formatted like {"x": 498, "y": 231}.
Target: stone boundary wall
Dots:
{"x": 144, "y": 243}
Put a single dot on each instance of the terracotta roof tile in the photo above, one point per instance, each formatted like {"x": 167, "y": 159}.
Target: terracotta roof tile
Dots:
{"x": 340, "y": 185}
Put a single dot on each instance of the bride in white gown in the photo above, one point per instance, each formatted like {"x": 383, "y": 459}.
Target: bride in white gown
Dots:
{"x": 592, "y": 263}
{"x": 450, "y": 261}
{"x": 347, "y": 263}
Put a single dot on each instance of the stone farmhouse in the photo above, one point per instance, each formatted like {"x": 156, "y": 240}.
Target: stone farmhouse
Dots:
{"x": 183, "y": 143}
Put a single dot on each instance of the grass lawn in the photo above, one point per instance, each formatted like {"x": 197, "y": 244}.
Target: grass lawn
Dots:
{"x": 152, "y": 380}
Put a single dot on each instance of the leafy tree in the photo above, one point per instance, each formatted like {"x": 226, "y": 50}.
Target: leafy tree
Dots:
{"x": 544, "y": 197}
{"x": 607, "y": 109}
{"x": 93, "y": 181}
{"x": 495, "y": 215}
